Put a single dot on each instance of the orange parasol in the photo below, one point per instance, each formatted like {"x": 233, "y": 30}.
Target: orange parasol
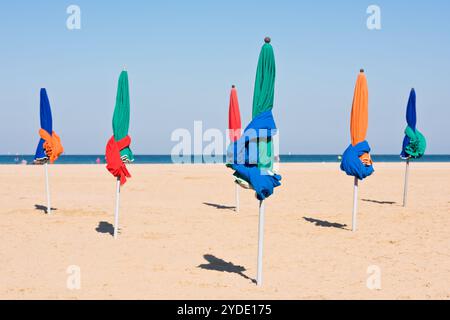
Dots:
{"x": 356, "y": 160}
{"x": 359, "y": 121}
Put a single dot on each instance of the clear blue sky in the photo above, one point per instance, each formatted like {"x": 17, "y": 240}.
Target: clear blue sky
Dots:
{"x": 183, "y": 56}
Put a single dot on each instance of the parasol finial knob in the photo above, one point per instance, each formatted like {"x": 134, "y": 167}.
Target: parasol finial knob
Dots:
{"x": 267, "y": 39}
{"x": 233, "y": 86}
{"x": 361, "y": 70}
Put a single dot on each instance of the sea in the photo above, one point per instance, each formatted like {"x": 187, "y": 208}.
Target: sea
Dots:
{"x": 167, "y": 159}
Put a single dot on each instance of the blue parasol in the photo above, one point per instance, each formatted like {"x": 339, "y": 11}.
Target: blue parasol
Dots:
{"x": 46, "y": 124}
{"x": 414, "y": 143}
{"x": 411, "y": 119}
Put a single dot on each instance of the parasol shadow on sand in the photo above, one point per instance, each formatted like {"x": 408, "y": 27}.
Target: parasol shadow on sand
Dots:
{"x": 219, "y": 206}
{"x": 43, "y": 208}
{"x": 326, "y": 224}
{"x": 380, "y": 202}
{"x": 216, "y": 264}
{"x": 105, "y": 227}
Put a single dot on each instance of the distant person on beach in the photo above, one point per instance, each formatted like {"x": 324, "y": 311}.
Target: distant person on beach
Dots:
{"x": 98, "y": 161}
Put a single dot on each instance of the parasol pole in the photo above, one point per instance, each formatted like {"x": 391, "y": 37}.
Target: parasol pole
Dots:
{"x": 355, "y": 204}
{"x": 260, "y": 242}
{"x": 116, "y": 216}
{"x": 47, "y": 189}
{"x": 405, "y": 191}
{"x": 237, "y": 198}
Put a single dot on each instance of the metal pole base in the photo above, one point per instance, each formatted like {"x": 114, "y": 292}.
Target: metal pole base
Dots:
{"x": 355, "y": 205}
{"x": 116, "y": 215}
{"x": 259, "y": 277}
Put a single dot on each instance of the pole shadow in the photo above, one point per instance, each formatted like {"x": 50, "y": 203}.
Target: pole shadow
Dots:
{"x": 326, "y": 224}
{"x": 220, "y": 265}
{"x": 42, "y": 208}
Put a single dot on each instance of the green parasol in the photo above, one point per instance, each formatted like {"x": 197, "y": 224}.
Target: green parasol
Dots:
{"x": 263, "y": 99}
{"x": 121, "y": 117}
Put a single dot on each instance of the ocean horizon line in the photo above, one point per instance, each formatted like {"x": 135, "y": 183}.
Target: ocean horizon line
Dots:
{"x": 198, "y": 159}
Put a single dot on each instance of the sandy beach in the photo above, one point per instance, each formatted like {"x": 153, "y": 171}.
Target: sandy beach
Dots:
{"x": 181, "y": 239}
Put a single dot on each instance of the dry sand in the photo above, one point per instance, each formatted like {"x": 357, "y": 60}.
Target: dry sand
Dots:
{"x": 180, "y": 238}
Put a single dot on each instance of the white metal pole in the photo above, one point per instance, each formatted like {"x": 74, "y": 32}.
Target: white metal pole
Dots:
{"x": 405, "y": 191}
{"x": 260, "y": 243}
{"x": 116, "y": 216}
{"x": 355, "y": 204}
{"x": 47, "y": 189}
{"x": 237, "y": 198}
